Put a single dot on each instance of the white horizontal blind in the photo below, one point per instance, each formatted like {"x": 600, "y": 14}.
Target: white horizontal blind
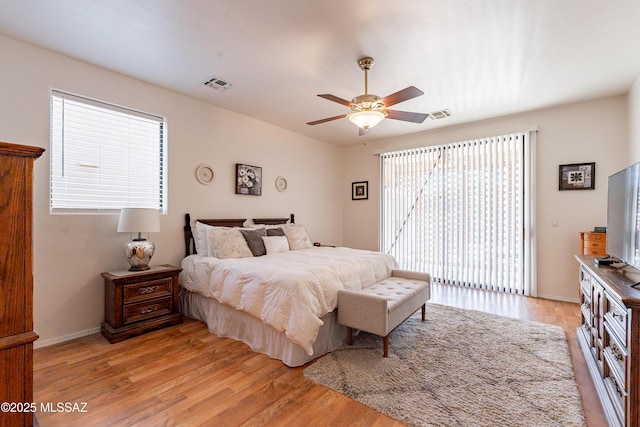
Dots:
{"x": 104, "y": 157}
{"x": 458, "y": 211}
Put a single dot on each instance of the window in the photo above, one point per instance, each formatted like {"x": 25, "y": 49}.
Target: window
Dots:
{"x": 461, "y": 212}
{"x": 105, "y": 157}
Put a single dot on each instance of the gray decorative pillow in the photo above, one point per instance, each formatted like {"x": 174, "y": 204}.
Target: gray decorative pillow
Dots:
{"x": 275, "y": 232}
{"x": 254, "y": 240}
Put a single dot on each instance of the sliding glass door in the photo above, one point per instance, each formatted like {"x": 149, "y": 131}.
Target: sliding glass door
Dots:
{"x": 461, "y": 212}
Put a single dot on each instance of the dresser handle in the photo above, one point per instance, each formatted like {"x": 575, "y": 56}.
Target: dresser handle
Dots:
{"x": 617, "y": 387}
{"x": 617, "y": 316}
{"x": 148, "y": 290}
{"x": 149, "y": 309}
{"x": 615, "y": 352}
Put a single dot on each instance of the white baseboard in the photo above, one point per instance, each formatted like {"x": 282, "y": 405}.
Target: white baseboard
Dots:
{"x": 51, "y": 341}
{"x": 559, "y": 298}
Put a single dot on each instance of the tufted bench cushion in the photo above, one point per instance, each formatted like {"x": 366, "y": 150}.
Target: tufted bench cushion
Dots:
{"x": 381, "y": 307}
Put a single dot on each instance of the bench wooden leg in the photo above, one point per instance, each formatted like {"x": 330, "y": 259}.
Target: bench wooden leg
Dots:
{"x": 385, "y": 344}
{"x": 424, "y": 312}
{"x": 349, "y": 336}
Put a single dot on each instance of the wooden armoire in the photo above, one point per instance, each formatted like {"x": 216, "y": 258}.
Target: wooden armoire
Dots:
{"x": 16, "y": 282}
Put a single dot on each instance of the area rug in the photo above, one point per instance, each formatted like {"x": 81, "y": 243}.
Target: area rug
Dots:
{"x": 460, "y": 368}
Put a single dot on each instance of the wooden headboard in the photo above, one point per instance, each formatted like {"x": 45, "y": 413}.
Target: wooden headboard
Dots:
{"x": 190, "y": 244}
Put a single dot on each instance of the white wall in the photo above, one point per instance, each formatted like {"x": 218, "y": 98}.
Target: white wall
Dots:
{"x": 595, "y": 131}
{"x": 70, "y": 251}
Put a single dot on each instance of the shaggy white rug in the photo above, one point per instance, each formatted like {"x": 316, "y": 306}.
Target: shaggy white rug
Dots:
{"x": 460, "y": 368}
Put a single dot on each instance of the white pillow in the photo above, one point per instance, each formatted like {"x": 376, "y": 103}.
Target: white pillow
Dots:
{"x": 200, "y": 238}
{"x": 227, "y": 243}
{"x": 297, "y": 236}
{"x": 276, "y": 244}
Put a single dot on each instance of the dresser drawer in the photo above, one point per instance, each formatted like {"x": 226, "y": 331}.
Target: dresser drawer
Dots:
{"x": 615, "y": 315}
{"x": 585, "y": 282}
{"x": 147, "y": 309}
{"x": 618, "y": 396}
{"x": 616, "y": 356}
{"x": 147, "y": 290}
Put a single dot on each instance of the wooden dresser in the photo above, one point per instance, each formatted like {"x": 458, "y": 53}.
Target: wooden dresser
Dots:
{"x": 594, "y": 244}
{"x": 16, "y": 282}
{"x": 609, "y": 336}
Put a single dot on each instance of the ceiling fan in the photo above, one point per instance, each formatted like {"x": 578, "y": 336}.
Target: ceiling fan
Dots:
{"x": 368, "y": 110}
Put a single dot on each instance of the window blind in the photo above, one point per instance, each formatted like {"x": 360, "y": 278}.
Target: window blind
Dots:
{"x": 458, "y": 212}
{"x": 105, "y": 157}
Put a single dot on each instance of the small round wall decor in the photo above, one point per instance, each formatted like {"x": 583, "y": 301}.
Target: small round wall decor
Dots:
{"x": 281, "y": 184}
{"x": 205, "y": 174}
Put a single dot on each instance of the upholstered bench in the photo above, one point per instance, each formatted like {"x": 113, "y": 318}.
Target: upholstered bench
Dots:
{"x": 381, "y": 307}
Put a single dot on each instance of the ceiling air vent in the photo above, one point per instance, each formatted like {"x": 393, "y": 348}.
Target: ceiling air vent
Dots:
{"x": 442, "y": 114}
{"x": 216, "y": 83}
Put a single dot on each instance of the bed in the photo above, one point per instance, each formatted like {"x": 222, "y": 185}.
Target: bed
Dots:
{"x": 280, "y": 302}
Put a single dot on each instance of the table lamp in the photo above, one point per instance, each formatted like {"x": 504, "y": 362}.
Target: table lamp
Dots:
{"x": 140, "y": 250}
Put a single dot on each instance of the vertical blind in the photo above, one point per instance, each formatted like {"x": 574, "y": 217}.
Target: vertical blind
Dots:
{"x": 457, "y": 211}
{"x": 105, "y": 157}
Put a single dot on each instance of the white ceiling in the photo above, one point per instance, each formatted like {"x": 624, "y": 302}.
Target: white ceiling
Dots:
{"x": 480, "y": 59}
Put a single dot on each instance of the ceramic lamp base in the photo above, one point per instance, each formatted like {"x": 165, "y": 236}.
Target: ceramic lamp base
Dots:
{"x": 139, "y": 252}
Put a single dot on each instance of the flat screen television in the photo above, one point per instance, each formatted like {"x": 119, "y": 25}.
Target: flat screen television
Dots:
{"x": 623, "y": 217}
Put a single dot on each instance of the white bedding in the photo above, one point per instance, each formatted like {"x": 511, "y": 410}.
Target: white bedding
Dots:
{"x": 289, "y": 291}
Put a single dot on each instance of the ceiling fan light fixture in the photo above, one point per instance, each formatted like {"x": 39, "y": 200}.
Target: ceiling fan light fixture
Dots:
{"x": 366, "y": 119}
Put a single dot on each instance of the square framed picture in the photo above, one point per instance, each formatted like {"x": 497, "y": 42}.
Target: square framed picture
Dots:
{"x": 360, "y": 190}
{"x": 577, "y": 176}
{"x": 248, "y": 179}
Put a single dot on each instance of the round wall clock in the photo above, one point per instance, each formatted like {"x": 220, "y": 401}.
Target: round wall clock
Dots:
{"x": 205, "y": 174}
{"x": 281, "y": 184}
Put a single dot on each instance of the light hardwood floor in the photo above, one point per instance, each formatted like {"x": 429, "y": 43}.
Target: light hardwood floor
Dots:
{"x": 185, "y": 376}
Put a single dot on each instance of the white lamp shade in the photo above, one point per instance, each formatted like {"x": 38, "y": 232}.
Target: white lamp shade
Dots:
{"x": 139, "y": 220}
{"x": 366, "y": 119}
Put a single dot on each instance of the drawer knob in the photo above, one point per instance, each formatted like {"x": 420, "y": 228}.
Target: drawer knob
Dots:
{"x": 148, "y": 290}
{"x": 149, "y": 309}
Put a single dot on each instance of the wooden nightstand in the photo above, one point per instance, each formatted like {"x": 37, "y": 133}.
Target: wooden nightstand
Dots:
{"x": 137, "y": 302}
{"x": 594, "y": 244}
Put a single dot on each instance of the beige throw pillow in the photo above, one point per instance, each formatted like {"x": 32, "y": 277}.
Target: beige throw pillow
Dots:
{"x": 297, "y": 236}
{"x": 227, "y": 243}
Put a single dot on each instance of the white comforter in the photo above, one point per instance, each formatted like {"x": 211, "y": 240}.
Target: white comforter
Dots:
{"x": 289, "y": 291}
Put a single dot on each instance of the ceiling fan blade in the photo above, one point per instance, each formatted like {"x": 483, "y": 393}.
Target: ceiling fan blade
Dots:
{"x": 406, "y": 116}
{"x": 328, "y": 119}
{"x": 335, "y": 99}
{"x": 401, "y": 96}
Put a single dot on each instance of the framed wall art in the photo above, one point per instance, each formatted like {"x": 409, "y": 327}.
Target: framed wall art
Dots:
{"x": 577, "y": 176}
{"x": 248, "y": 179}
{"x": 360, "y": 190}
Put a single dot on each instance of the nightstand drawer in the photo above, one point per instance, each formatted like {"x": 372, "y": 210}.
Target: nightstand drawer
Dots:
{"x": 594, "y": 252}
{"x": 595, "y": 244}
{"x": 595, "y": 237}
{"x": 147, "y": 310}
{"x": 147, "y": 290}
